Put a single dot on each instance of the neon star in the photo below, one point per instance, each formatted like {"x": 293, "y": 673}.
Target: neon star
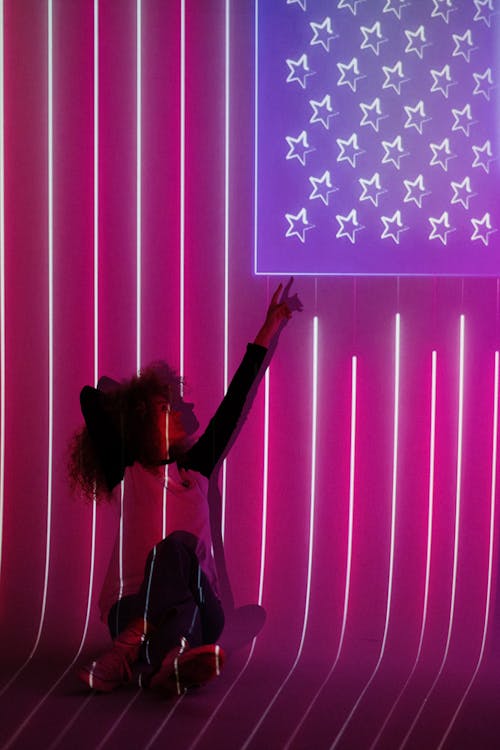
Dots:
{"x": 299, "y": 147}
{"x": 301, "y": 3}
{"x": 372, "y": 37}
{"x": 348, "y": 225}
{"x": 323, "y": 33}
{"x": 394, "y": 152}
{"x": 484, "y": 11}
{"x": 394, "y": 77}
{"x": 443, "y": 8}
{"x": 484, "y": 83}
{"x": 415, "y": 190}
{"x": 349, "y": 74}
{"x": 463, "y": 119}
{"x": 395, "y": 6}
{"x": 349, "y": 150}
{"x": 442, "y": 80}
{"x": 322, "y": 187}
{"x": 298, "y": 225}
{"x": 372, "y": 114}
{"x": 462, "y": 192}
{"x": 463, "y": 45}
{"x": 416, "y": 116}
{"x": 351, "y": 4}
{"x": 483, "y": 156}
{"x": 393, "y": 226}
{"x": 322, "y": 111}
{"x": 372, "y": 189}
{"x": 482, "y": 229}
{"x": 440, "y": 228}
{"x": 299, "y": 70}
{"x": 441, "y": 153}
{"x": 416, "y": 41}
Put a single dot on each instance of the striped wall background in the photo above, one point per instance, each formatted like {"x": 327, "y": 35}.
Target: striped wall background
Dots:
{"x": 359, "y": 503}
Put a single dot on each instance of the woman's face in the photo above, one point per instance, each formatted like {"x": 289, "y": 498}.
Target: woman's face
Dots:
{"x": 174, "y": 423}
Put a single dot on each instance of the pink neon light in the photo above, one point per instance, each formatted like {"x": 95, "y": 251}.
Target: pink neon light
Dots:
{"x": 182, "y": 182}
{"x": 393, "y": 529}
{"x": 490, "y": 554}
{"x": 430, "y": 517}
{"x": 457, "y": 528}
{"x": 311, "y": 535}
{"x": 139, "y": 182}
{"x": 349, "y": 555}
{"x": 2, "y": 289}
{"x": 262, "y": 564}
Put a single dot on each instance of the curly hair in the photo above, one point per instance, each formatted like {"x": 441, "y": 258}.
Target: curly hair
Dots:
{"x": 130, "y": 407}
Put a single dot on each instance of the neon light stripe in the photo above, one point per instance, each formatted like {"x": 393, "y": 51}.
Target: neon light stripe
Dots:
{"x": 164, "y": 722}
{"x": 146, "y": 607}
{"x": 182, "y": 180}
{"x": 139, "y": 183}
{"x": 457, "y": 528}
{"x": 311, "y": 535}
{"x": 50, "y": 403}
{"x": 265, "y": 488}
{"x": 96, "y": 192}
{"x": 226, "y": 243}
{"x": 349, "y": 556}
{"x": 2, "y": 286}
{"x": 118, "y": 721}
{"x": 490, "y": 555}
{"x": 393, "y": 528}
{"x": 262, "y": 571}
{"x": 430, "y": 518}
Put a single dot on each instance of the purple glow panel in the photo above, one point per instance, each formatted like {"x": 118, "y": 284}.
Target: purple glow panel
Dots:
{"x": 375, "y": 147}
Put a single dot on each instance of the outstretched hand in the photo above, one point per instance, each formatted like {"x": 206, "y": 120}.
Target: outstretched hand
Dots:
{"x": 279, "y": 312}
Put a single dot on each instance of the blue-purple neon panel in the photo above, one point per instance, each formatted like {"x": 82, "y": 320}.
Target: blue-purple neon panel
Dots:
{"x": 376, "y": 137}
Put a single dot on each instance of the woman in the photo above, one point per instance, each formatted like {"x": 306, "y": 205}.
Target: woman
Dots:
{"x": 160, "y": 596}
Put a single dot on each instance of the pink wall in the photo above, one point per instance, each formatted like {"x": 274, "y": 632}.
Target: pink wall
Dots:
{"x": 48, "y": 537}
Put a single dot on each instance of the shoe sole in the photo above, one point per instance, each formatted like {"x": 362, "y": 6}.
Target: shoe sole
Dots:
{"x": 191, "y": 669}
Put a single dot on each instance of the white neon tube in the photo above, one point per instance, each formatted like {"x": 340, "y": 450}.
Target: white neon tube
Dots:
{"x": 2, "y": 286}
{"x": 349, "y": 556}
{"x": 226, "y": 240}
{"x": 430, "y": 518}
{"x": 490, "y": 554}
{"x": 182, "y": 181}
{"x": 139, "y": 183}
{"x": 314, "y": 421}
{"x": 262, "y": 565}
{"x": 393, "y": 528}
{"x": 457, "y": 529}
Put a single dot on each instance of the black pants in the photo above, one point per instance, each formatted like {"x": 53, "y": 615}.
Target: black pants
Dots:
{"x": 175, "y": 599}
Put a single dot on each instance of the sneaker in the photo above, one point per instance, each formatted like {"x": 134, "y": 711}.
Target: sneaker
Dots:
{"x": 113, "y": 668}
{"x": 183, "y": 668}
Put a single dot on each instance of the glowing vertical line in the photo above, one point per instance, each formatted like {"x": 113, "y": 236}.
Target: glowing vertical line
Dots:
{"x": 456, "y": 532}
{"x": 226, "y": 241}
{"x": 491, "y": 549}
{"x": 314, "y": 423}
{"x": 430, "y": 518}
{"x": 139, "y": 181}
{"x": 2, "y": 285}
{"x": 397, "y": 347}
{"x": 349, "y": 556}
{"x": 262, "y": 564}
{"x": 50, "y": 320}
{"x": 265, "y": 486}
{"x": 96, "y": 191}
{"x": 182, "y": 180}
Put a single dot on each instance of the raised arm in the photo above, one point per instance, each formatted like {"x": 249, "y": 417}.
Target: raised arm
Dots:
{"x": 207, "y": 451}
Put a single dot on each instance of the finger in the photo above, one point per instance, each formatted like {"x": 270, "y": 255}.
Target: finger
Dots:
{"x": 288, "y": 287}
{"x": 275, "y": 297}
